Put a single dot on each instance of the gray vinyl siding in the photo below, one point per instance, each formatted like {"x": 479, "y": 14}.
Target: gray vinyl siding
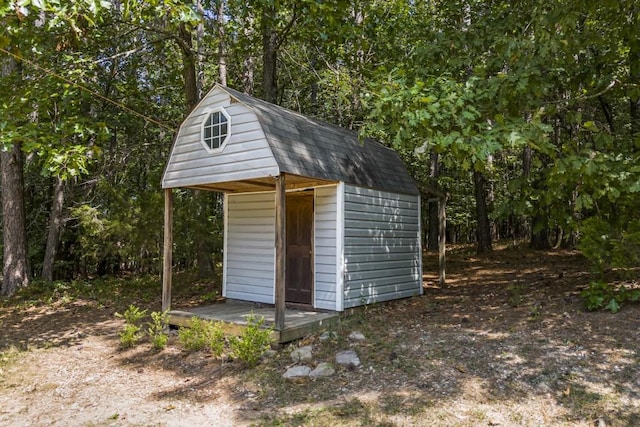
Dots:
{"x": 381, "y": 246}
{"x": 246, "y": 155}
{"x": 325, "y": 236}
{"x": 250, "y": 247}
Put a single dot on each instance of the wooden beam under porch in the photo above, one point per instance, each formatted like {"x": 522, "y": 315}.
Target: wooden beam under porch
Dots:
{"x": 298, "y": 322}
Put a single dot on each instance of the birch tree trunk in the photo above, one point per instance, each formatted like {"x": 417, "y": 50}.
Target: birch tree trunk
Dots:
{"x": 200, "y": 50}
{"x": 249, "y": 61}
{"x": 222, "y": 54}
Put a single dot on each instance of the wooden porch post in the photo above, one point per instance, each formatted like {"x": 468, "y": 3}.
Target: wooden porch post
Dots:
{"x": 442, "y": 219}
{"x": 281, "y": 249}
{"x": 167, "y": 259}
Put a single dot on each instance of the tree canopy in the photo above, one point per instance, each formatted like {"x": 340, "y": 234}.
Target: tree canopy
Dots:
{"x": 527, "y": 113}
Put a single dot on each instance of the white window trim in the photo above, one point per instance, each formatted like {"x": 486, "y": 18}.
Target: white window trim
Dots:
{"x": 226, "y": 139}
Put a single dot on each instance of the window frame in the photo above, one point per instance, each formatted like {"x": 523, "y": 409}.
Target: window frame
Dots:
{"x": 203, "y": 125}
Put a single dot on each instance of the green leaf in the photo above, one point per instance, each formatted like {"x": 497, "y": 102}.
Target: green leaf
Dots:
{"x": 635, "y": 187}
{"x": 590, "y": 125}
{"x": 613, "y": 306}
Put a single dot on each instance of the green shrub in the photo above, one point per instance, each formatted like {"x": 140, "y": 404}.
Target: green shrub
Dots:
{"x": 253, "y": 342}
{"x": 607, "y": 245}
{"x": 131, "y": 333}
{"x": 216, "y": 340}
{"x": 602, "y": 295}
{"x": 200, "y": 334}
{"x": 156, "y": 329}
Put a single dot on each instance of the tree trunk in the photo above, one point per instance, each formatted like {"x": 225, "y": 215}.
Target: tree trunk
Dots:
{"x": 222, "y": 54}
{"x": 483, "y": 229}
{"x": 490, "y": 198}
{"x": 15, "y": 264}
{"x": 434, "y": 172}
{"x": 249, "y": 62}
{"x": 202, "y": 232}
{"x": 634, "y": 74}
{"x": 203, "y": 256}
{"x": 188, "y": 68}
{"x": 539, "y": 227}
{"x": 200, "y": 49}
{"x": 527, "y": 157}
{"x": 540, "y": 233}
{"x": 248, "y": 73}
{"x": 442, "y": 241}
{"x": 55, "y": 229}
{"x": 269, "y": 55}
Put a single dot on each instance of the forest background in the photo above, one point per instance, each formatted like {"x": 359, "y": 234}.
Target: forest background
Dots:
{"x": 526, "y": 113}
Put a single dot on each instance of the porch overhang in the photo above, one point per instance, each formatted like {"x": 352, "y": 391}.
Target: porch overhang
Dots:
{"x": 294, "y": 182}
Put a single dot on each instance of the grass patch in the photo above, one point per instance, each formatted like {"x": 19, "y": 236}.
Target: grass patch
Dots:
{"x": 303, "y": 418}
{"x": 114, "y": 292}
{"x": 582, "y": 402}
{"x": 8, "y": 357}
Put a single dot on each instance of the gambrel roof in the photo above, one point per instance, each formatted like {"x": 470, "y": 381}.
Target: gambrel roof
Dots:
{"x": 298, "y": 145}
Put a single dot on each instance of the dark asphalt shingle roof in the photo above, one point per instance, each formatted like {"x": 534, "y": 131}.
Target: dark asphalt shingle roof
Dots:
{"x": 317, "y": 149}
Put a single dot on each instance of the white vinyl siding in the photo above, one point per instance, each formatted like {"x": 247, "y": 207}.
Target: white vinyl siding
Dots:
{"x": 325, "y": 236}
{"x": 245, "y": 156}
{"x": 381, "y": 246}
{"x": 250, "y": 247}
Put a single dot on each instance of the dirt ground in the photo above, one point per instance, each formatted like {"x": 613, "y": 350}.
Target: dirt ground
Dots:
{"x": 505, "y": 343}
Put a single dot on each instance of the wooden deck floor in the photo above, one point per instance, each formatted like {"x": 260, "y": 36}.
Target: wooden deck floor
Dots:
{"x": 298, "y": 322}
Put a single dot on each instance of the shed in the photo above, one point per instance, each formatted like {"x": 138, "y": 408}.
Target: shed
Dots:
{"x": 313, "y": 215}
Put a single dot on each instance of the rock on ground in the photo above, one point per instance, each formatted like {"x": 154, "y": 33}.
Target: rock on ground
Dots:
{"x": 356, "y": 336}
{"x": 302, "y": 353}
{"x": 328, "y": 335}
{"x": 348, "y": 358}
{"x": 323, "y": 369}
{"x": 297, "y": 371}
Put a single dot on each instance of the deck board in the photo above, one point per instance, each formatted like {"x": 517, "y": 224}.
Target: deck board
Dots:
{"x": 298, "y": 322}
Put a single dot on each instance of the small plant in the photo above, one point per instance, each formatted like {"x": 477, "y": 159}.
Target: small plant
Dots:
{"x": 253, "y": 342}
{"x": 130, "y": 335}
{"x": 516, "y": 296}
{"x": 156, "y": 328}
{"x": 535, "y": 313}
{"x": 210, "y": 296}
{"x": 132, "y": 328}
{"x": 603, "y": 295}
{"x": 60, "y": 294}
{"x": 201, "y": 334}
{"x": 193, "y": 336}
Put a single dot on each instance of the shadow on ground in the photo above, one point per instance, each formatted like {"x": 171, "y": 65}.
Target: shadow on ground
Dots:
{"x": 505, "y": 342}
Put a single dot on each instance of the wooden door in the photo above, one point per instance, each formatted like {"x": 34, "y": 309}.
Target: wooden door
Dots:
{"x": 299, "y": 275}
